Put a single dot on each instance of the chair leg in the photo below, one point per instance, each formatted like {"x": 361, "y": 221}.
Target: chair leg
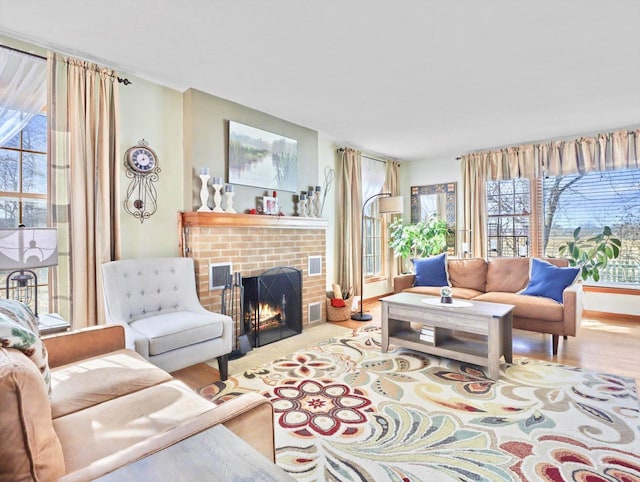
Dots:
{"x": 223, "y": 367}
{"x": 554, "y": 343}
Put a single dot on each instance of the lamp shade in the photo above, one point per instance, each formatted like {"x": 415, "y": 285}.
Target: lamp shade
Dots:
{"x": 28, "y": 248}
{"x": 391, "y": 205}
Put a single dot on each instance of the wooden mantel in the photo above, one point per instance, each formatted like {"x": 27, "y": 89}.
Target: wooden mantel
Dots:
{"x": 200, "y": 219}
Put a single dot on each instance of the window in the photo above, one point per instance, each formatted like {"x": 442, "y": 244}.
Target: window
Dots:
{"x": 509, "y": 217}
{"x": 373, "y": 242}
{"x": 23, "y": 188}
{"x": 592, "y": 201}
{"x": 560, "y": 205}
{"x": 373, "y": 177}
{"x": 23, "y": 176}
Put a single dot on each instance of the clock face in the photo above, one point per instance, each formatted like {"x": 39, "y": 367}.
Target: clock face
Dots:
{"x": 141, "y": 159}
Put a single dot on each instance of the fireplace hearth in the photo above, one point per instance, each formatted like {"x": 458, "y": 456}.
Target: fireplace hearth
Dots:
{"x": 273, "y": 305}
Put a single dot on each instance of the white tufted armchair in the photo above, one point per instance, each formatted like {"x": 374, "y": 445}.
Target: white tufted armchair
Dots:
{"x": 155, "y": 300}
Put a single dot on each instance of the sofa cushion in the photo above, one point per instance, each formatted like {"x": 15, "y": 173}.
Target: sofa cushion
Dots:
{"x": 95, "y": 380}
{"x": 170, "y": 331}
{"x": 548, "y": 280}
{"x": 533, "y": 307}
{"x": 19, "y": 330}
{"x": 468, "y": 273}
{"x": 508, "y": 275}
{"x": 112, "y": 428}
{"x": 30, "y": 449}
{"x": 431, "y": 271}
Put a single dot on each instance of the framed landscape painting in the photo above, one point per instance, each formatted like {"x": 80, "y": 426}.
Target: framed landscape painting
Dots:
{"x": 262, "y": 159}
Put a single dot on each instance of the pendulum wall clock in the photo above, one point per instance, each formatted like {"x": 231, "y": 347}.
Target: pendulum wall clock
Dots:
{"x": 142, "y": 168}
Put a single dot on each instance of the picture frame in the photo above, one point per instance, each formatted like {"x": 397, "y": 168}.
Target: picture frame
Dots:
{"x": 270, "y": 205}
{"x": 260, "y": 158}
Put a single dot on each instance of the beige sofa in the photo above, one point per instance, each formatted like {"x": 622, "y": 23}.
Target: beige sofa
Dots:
{"x": 108, "y": 407}
{"x": 498, "y": 280}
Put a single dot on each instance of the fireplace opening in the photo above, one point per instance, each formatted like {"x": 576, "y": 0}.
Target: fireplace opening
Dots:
{"x": 273, "y": 305}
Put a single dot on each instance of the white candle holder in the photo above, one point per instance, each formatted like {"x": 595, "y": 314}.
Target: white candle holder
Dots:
{"x": 229, "y": 202}
{"x": 311, "y": 203}
{"x": 303, "y": 208}
{"x": 204, "y": 194}
{"x": 217, "y": 198}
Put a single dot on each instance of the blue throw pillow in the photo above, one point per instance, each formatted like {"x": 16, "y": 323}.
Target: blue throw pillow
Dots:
{"x": 548, "y": 280}
{"x": 431, "y": 271}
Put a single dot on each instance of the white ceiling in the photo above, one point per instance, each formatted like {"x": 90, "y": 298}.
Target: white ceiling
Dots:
{"x": 407, "y": 79}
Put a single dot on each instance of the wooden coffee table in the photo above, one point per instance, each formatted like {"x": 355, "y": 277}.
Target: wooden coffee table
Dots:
{"x": 469, "y": 331}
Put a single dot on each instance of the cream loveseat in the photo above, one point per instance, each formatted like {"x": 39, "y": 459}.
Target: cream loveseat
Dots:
{"x": 108, "y": 407}
{"x": 499, "y": 280}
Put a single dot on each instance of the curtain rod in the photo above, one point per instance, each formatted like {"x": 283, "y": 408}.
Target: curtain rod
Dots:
{"x": 121, "y": 80}
{"x": 23, "y": 52}
{"x": 368, "y": 156}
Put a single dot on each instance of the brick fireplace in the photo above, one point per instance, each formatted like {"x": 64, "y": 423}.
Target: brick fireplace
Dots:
{"x": 254, "y": 244}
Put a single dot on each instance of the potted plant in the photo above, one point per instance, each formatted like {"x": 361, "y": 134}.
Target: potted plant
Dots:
{"x": 591, "y": 254}
{"x": 418, "y": 240}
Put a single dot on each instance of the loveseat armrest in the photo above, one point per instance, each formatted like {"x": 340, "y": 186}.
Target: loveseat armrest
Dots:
{"x": 73, "y": 346}
{"x": 250, "y": 417}
{"x": 572, "y": 308}
{"x": 251, "y": 409}
{"x": 403, "y": 281}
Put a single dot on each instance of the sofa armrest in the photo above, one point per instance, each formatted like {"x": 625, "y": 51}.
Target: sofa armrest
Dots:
{"x": 253, "y": 410}
{"x": 73, "y": 346}
{"x": 572, "y": 308}
{"x": 402, "y": 282}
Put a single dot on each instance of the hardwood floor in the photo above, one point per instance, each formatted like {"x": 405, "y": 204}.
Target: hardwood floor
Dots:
{"x": 605, "y": 345}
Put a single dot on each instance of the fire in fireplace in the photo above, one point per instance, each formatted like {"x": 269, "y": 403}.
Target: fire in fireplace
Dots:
{"x": 273, "y": 305}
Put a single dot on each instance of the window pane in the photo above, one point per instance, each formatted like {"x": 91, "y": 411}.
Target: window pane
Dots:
{"x": 9, "y": 170}
{"x": 34, "y": 136}
{"x": 592, "y": 201}
{"x": 13, "y": 142}
{"x": 9, "y": 215}
{"x": 508, "y": 221}
{"x": 34, "y": 173}
{"x": 34, "y": 213}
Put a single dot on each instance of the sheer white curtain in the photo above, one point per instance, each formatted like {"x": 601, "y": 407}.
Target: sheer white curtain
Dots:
{"x": 373, "y": 177}
{"x": 23, "y": 91}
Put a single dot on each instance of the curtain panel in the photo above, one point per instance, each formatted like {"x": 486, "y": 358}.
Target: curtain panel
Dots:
{"x": 392, "y": 185}
{"x": 349, "y": 232}
{"x": 83, "y": 185}
{"x": 603, "y": 152}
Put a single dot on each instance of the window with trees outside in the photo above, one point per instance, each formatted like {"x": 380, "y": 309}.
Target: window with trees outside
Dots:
{"x": 373, "y": 174}
{"x": 373, "y": 243}
{"x": 560, "y": 205}
{"x": 23, "y": 187}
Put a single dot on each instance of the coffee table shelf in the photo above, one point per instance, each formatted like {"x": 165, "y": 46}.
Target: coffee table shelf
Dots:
{"x": 479, "y": 334}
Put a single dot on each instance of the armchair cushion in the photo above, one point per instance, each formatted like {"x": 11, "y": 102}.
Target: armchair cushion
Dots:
{"x": 169, "y": 331}
{"x": 431, "y": 271}
{"x": 548, "y": 280}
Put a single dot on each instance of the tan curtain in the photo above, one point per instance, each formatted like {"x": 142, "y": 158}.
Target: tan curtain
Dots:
{"x": 476, "y": 171}
{"x": 349, "y": 219}
{"x": 84, "y": 199}
{"x": 392, "y": 185}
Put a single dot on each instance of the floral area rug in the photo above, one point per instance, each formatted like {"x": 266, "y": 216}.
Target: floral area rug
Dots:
{"x": 345, "y": 411}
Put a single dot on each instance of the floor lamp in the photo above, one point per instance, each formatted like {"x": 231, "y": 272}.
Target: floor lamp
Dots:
{"x": 387, "y": 204}
{"x": 24, "y": 250}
